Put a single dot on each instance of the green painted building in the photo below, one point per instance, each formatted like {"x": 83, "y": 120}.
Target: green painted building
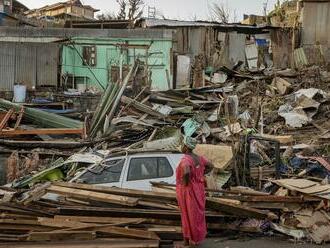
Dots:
{"x": 94, "y": 61}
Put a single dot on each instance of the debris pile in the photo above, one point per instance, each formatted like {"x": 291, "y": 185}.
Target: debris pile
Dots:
{"x": 79, "y": 212}
{"x": 266, "y": 130}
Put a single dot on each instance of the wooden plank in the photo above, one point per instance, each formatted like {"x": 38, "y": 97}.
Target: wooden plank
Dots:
{"x": 131, "y": 213}
{"x": 271, "y": 199}
{"x": 99, "y": 220}
{"x": 32, "y": 209}
{"x": 162, "y": 222}
{"x": 19, "y": 222}
{"x": 274, "y": 205}
{"x": 226, "y": 227}
{"x": 35, "y": 194}
{"x": 118, "y": 212}
{"x": 117, "y": 220}
{"x": 19, "y": 118}
{"x": 233, "y": 190}
{"x": 70, "y": 224}
{"x": 12, "y": 237}
{"x": 284, "y": 139}
{"x": 118, "y": 191}
{"x": 121, "y": 232}
{"x": 238, "y": 210}
{"x": 6, "y": 119}
{"x": 27, "y": 228}
{"x": 48, "y": 131}
{"x": 56, "y": 236}
{"x": 17, "y": 216}
{"x": 9, "y": 209}
{"x": 61, "y": 223}
{"x": 165, "y": 229}
{"x": 104, "y": 243}
{"x": 157, "y": 205}
{"x": 95, "y": 196}
{"x": 142, "y": 107}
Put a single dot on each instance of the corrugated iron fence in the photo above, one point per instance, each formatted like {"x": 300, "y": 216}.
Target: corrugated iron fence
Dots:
{"x": 33, "y": 64}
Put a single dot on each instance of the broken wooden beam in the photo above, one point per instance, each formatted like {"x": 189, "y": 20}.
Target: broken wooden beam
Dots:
{"x": 90, "y": 195}
{"x": 44, "y": 131}
{"x": 63, "y": 235}
{"x": 142, "y": 107}
{"x": 104, "y": 243}
{"x": 238, "y": 210}
{"x": 121, "y": 232}
{"x": 119, "y": 191}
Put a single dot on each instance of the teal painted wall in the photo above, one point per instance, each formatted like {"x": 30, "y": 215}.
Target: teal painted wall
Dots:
{"x": 108, "y": 54}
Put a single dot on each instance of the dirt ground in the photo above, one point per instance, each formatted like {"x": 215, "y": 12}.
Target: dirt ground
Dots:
{"x": 257, "y": 243}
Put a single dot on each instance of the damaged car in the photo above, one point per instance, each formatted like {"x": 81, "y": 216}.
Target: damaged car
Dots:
{"x": 132, "y": 170}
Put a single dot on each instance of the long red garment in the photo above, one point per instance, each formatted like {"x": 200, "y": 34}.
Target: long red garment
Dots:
{"x": 191, "y": 199}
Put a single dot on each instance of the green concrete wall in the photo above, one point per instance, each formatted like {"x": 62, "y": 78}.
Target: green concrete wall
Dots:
{"x": 108, "y": 54}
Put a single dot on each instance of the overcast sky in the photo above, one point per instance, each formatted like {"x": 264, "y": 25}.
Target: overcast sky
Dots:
{"x": 177, "y": 9}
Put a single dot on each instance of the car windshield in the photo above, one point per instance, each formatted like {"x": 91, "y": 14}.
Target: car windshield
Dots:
{"x": 106, "y": 172}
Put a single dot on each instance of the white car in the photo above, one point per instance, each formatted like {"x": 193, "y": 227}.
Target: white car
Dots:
{"x": 132, "y": 171}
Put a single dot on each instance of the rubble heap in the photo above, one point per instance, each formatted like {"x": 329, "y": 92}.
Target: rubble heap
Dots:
{"x": 80, "y": 212}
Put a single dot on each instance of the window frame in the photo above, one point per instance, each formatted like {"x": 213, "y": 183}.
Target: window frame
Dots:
{"x": 143, "y": 158}
{"x": 105, "y": 168}
{"x": 89, "y": 55}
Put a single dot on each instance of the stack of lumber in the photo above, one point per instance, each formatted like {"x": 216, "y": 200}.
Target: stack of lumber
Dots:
{"x": 69, "y": 214}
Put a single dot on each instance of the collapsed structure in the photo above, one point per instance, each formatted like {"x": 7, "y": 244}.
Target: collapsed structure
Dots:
{"x": 257, "y": 98}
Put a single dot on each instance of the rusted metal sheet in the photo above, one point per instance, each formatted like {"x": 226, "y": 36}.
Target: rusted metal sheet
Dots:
{"x": 32, "y": 64}
{"x": 26, "y": 66}
{"x": 282, "y": 48}
{"x": 7, "y": 67}
{"x": 316, "y": 19}
{"x": 218, "y": 48}
{"x": 316, "y": 31}
{"x": 196, "y": 41}
{"x": 47, "y": 64}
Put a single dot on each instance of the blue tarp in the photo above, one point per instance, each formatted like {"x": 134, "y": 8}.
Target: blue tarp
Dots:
{"x": 261, "y": 42}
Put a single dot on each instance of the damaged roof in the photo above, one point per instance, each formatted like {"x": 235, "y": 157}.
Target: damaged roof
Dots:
{"x": 166, "y": 23}
{"x": 62, "y": 4}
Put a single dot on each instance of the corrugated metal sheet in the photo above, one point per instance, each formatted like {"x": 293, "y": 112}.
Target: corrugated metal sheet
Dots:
{"x": 33, "y": 64}
{"x": 316, "y": 19}
{"x": 26, "y": 65}
{"x": 218, "y": 48}
{"x": 251, "y": 52}
{"x": 236, "y": 46}
{"x": 7, "y": 67}
{"x": 282, "y": 48}
{"x": 196, "y": 41}
{"x": 47, "y": 64}
{"x": 316, "y": 31}
{"x": 152, "y": 22}
{"x": 300, "y": 58}
{"x": 158, "y": 23}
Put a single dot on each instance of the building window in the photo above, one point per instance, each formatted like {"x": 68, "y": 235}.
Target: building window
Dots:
{"x": 89, "y": 55}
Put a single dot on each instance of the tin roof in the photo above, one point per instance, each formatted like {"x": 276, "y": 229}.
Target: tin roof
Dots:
{"x": 165, "y": 23}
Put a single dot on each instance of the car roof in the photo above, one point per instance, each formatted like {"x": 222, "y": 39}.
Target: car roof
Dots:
{"x": 141, "y": 152}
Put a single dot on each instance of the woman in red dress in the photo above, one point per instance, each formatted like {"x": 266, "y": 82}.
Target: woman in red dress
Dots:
{"x": 190, "y": 191}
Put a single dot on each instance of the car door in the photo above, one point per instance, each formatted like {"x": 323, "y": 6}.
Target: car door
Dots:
{"x": 107, "y": 173}
{"x": 141, "y": 170}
